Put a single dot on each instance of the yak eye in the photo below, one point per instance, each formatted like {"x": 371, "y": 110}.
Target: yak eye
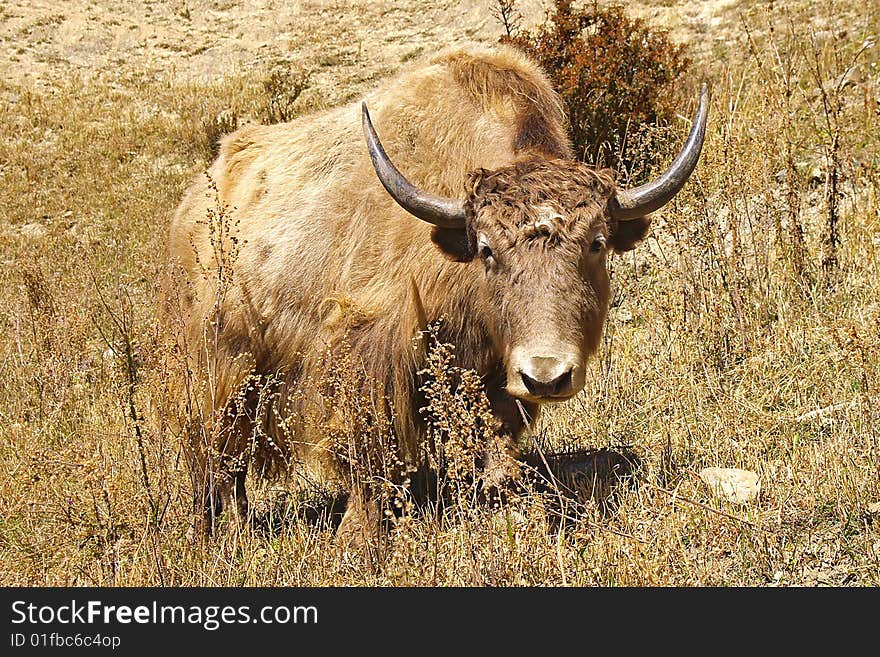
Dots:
{"x": 598, "y": 244}
{"x": 484, "y": 248}
{"x": 486, "y": 253}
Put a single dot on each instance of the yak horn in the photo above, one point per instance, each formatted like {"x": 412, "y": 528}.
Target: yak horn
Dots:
{"x": 634, "y": 203}
{"x": 437, "y": 210}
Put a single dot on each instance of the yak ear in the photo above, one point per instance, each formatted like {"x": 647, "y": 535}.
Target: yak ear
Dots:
{"x": 455, "y": 243}
{"x": 627, "y": 234}
{"x": 460, "y": 244}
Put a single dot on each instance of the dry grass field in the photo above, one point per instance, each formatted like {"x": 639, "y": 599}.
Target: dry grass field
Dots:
{"x": 744, "y": 333}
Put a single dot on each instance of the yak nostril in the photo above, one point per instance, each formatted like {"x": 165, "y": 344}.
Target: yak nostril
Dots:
{"x": 531, "y": 385}
{"x": 562, "y": 383}
{"x": 551, "y": 388}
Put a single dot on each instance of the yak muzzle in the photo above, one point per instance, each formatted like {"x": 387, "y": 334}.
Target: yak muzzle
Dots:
{"x": 542, "y": 376}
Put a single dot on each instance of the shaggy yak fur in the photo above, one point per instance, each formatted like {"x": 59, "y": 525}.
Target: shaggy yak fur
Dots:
{"x": 292, "y": 258}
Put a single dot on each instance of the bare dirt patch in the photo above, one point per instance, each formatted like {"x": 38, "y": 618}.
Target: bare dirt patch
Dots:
{"x": 343, "y": 43}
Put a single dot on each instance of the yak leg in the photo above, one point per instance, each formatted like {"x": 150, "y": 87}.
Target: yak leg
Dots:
{"x": 502, "y": 460}
{"x": 218, "y": 465}
{"x": 217, "y": 488}
{"x": 233, "y": 495}
{"x": 229, "y": 482}
{"x": 207, "y": 504}
{"x": 501, "y": 463}
{"x": 360, "y": 523}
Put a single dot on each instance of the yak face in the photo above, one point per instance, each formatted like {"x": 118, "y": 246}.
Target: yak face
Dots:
{"x": 537, "y": 235}
{"x": 540, "y": 230}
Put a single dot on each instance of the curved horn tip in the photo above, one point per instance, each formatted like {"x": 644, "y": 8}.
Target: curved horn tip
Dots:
{"x": 704, "y": 97}
{"x": 630, "y": 204}
{"x": 365, "y": 114}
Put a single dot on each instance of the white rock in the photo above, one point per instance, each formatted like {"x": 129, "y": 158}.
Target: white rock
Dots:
{"x": 741, "y": 486}
{"x": 34, "y": 231}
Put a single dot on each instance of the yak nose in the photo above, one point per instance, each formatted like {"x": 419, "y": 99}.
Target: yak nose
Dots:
{"x": 548, "y": 376}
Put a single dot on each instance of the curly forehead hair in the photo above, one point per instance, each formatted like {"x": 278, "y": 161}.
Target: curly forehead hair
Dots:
{"x": 565, "y": 183}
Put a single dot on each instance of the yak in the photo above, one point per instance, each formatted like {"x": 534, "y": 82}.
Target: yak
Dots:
{"x": 470, "y": 212}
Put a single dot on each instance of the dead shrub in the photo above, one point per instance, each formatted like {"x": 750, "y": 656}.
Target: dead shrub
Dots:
{"x": 612, "y": 71}
{"x": 282, "y": 87}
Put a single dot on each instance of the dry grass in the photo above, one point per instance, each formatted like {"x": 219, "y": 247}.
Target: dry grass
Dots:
{"x": 725, "y": 334}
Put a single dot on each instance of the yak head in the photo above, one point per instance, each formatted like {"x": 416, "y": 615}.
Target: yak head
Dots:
{"x": 541, "y": 230}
